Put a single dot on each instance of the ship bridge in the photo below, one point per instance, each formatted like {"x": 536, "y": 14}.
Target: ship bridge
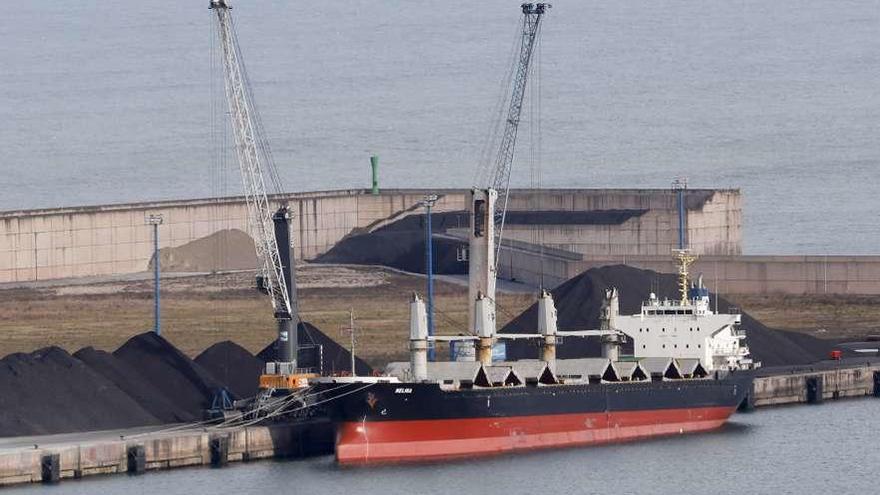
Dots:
{"x": 687, "y": 329}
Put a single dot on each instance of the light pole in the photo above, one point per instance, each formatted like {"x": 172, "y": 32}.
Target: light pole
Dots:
{"x": 155, "y": 221}
{"x": 428, "y": 203}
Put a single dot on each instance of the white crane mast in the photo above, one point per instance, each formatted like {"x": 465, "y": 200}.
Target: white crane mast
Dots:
{"x": 251, "y": 164}
{"x": 487, "y": 221}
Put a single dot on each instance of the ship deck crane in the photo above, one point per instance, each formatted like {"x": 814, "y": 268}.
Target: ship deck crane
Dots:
{"x": 269, "y": 227}
{"x": 487, "y": 221}
{"x": 531, "y": 25}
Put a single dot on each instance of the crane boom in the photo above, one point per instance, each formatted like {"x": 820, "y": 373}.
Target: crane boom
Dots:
{"x": 484, "y": 239}
{"x": 532, "y": 14}
{"x": 250, "y": 161}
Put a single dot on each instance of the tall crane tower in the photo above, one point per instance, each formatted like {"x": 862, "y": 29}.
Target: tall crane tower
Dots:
{"x": 487, "y": 221}
{"x": 270, "y": 229}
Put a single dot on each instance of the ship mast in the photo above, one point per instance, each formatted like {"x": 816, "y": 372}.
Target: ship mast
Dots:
{"x": 683, "y": 256}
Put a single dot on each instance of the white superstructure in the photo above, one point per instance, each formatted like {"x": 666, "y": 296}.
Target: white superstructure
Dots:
{"x": 687, "y": 329}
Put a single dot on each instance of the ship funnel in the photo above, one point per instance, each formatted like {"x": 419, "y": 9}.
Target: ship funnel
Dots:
{"x": 484, "y": 327}
{"x": 547, "y": 327}
{"x": 418, "y": 339}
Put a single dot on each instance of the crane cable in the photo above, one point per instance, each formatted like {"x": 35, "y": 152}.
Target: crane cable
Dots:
{"x": 485, "y": 164}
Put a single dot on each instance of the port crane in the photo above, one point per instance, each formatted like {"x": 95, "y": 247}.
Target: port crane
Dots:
{"x": 487, "y": 221}
{"x": 269, "y": 228}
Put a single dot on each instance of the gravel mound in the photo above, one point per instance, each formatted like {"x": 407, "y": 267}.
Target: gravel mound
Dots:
{"x": 579, "y": 301}
{"x": 49, "y": 391}
{"x": 234, "y": 366}
{"x": 136, "y": 385}
{"x": 223, "y": 250}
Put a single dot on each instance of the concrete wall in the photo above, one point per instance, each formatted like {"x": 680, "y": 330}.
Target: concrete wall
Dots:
{"x": 108, "y": 240}
{"x": 186, "y": 447}
{"x": 713, "y": 222}
{"x": 836, "y": 383}
{"x": 114, "y": 239}
{"x": 724, "y": 274}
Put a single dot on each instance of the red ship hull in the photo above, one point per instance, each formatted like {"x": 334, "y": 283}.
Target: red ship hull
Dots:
{"x": 370, "y": 442}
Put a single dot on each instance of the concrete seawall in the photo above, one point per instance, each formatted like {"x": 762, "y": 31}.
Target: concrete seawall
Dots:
{"x": 58, "y": 457}
{"x": 723, "y": 274}
{"x": 816, "y": 384}
{"x": 114, "y": 239}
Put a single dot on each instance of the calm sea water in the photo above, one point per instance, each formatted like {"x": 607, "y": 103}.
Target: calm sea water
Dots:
{"x": 111, "y": 101}
{"x": 792, "y": 450}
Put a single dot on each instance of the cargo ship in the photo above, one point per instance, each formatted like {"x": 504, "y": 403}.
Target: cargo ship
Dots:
{"x": 416, "y": 422}
{"x": 688, "y": 371}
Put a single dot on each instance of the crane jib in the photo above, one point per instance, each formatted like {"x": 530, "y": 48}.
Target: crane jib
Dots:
{"x": 270, "y": 229}
{"x": 532, "y": 14}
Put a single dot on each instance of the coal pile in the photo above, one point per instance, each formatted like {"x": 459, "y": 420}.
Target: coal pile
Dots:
{"x": 183, "y": 381}
{"x": 401, "y": 245}
{"x": 139, "y": 387}
{"x": 319, "y": 351}
{"x": 147, "y": 381}
{"x": 49, "y": 391}
{"x": 233, "y": 366}
{"x": 579, "y": 302}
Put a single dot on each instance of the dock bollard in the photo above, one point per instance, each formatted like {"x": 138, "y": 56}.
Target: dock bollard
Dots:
{"x": 814, "y": 389}
{"x": 219, "y": 451}
{"x": 50, "y": 465}
{"x": 137, "y": 459}
{"x": 877, "y": 384}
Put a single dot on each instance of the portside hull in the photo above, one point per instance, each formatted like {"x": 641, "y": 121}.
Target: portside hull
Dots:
{"x": 385, "y": 423}
{"x": 425, "y": 440}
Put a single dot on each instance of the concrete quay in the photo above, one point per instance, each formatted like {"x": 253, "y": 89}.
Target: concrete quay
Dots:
{"x": 55, "y": 457}
{"x": 813, "y": 384}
